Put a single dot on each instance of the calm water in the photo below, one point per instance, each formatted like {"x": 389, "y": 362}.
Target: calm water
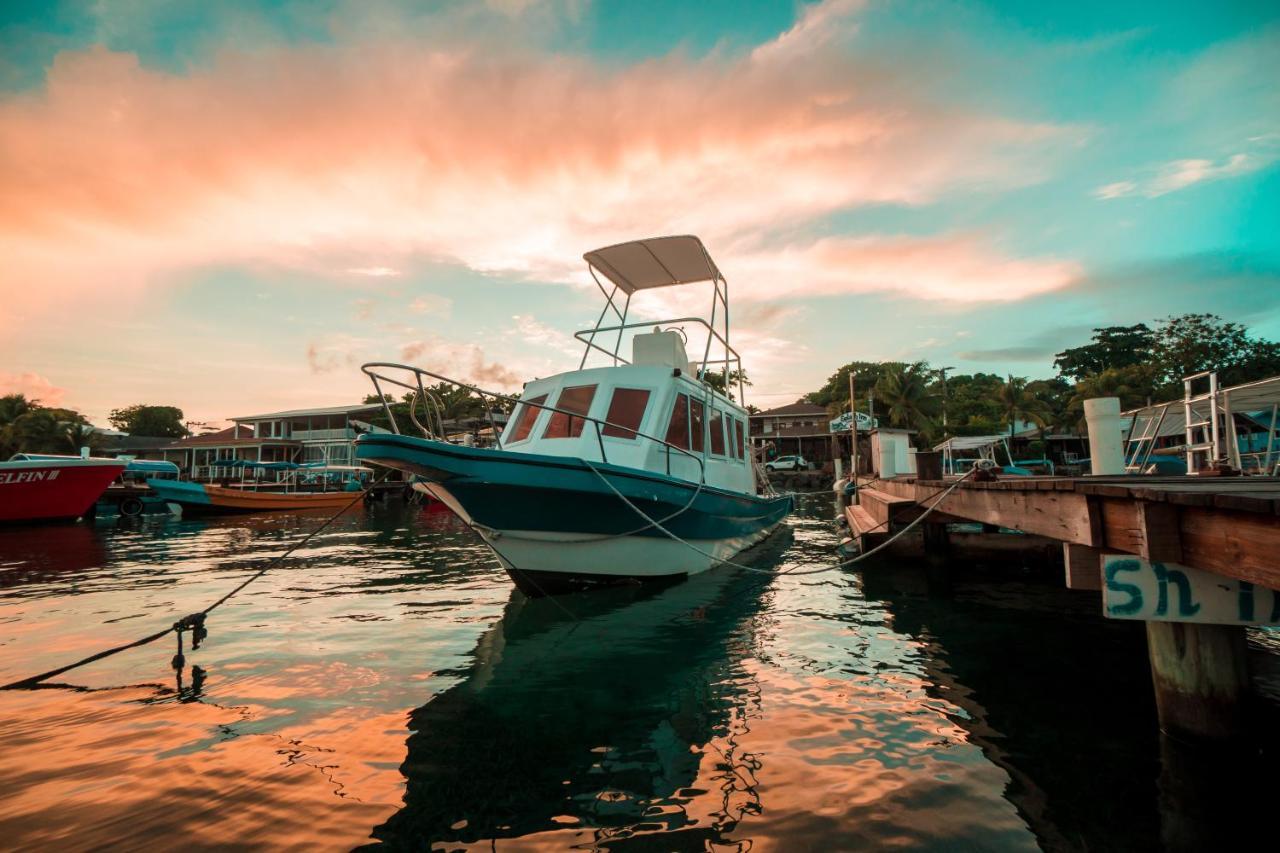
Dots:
{"x": 388, "y": 687}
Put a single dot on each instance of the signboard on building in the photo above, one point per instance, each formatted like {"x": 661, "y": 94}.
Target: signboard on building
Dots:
{"x": 1133, "y": 588}
{"x": 865, "y": 422}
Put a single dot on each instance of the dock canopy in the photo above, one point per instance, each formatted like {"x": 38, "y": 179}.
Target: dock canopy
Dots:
{"x": 1248, "y": 399}
{"x": 655, "y": 262}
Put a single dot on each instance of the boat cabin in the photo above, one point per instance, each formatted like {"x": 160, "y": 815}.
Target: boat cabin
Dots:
{"x": 636, "y": 407}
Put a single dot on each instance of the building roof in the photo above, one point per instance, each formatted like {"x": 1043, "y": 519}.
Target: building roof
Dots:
{"x": 794, "y": 409}
{"x": 303, "y": 413}
{"x": 231, "y": 435}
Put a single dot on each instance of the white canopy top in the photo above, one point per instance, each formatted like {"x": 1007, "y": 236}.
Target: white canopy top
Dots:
{"x": 970, "y": 442}
{"x": 1249, "y": 397}
{"x": 656, "y": 262}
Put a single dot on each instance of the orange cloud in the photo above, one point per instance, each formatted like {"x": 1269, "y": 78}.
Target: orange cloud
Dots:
{"x": 349, "y": 158}
{"x": 33, "y": 386}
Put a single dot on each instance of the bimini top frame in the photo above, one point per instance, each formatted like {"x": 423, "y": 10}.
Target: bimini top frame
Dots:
{"x": 660, "y": 262}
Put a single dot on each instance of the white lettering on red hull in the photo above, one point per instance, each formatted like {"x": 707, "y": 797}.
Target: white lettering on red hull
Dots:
{"x": 14, "y": 477}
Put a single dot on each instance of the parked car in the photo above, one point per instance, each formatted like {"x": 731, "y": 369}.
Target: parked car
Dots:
{"x": 788, "y": 463}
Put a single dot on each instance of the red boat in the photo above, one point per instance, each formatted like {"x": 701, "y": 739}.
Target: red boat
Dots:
{"x": 43, "y": 488}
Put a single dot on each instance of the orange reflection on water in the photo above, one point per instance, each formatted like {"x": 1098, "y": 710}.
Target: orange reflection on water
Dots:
{"x": 119, "y": 761}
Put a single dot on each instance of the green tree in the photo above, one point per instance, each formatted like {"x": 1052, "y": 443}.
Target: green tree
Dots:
{"x": 154, "y": 421}
{"x": 45, "y": 430}
{"x": 908, "y": 396}
{"x": 716, "y": 381}
{"x": 13, "y": 406}
{"x": 1134, "y": 385}
{"x": 1113, "y": 346}
{"x": 1191, "y": 343}
{"x": 1018, "y": 402}
{"x": 866, "y": 377}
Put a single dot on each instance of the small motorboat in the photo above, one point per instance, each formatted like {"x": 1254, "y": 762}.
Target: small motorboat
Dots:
{"x": 635, "y": 471}
{"x": 302, "y": 487}
{"x": 39, "y": 487}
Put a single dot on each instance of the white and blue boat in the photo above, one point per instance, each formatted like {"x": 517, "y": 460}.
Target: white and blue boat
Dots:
{"x": 639, "y": 470}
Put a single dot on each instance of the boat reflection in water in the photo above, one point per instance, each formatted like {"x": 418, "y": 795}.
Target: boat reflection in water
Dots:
{"x": 595, "y": 725}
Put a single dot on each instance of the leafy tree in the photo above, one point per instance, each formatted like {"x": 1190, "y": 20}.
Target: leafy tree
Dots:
{"x": 154, "y": 421}
{"x": 908, "y": 396}
{"x": 866, "y": 377}
{"x": 46, "y": 430}
{"x": 1134, "y": 385}
{"x": 1192, "y": 343}
{"x": 1019, "y": 402}
{"x": 716, "y": 381}
{"x": 1113, "y": 346}
{"x": 13, "y": 406}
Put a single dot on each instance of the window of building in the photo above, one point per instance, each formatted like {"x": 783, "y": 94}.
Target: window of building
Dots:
{"x": 737, "y": 434}
{"x": 575, "y": 400}
{"x": 697, "y": 428}
{"x": 678, "y": 428}
{"x": 717, "y": 432}
{"x": 528, "y": 416}
{"x": 626, "y": 410}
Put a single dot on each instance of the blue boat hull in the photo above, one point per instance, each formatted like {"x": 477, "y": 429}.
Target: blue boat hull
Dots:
{"x": 554, "y": 522}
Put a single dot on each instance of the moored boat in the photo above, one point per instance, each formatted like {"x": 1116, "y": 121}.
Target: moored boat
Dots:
{"x": 36, "y": 487}
{"x": 580, "y": 490}
{"x": 290, "y": 494}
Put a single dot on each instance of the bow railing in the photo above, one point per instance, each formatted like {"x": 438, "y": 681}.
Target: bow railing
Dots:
{"x": 390, "y": 374}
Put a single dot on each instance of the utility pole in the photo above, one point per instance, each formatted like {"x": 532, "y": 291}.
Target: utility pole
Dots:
{"x": 943, "y": 371}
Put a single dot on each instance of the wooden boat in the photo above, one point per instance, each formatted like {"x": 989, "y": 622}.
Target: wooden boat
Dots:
{"x": 196, "y": 498}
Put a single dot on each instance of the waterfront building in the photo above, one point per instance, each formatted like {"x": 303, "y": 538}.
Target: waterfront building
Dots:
{"x": 323, "y": 435}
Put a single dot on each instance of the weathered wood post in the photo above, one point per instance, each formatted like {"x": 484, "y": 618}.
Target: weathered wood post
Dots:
{"x": 1201, "y": 679}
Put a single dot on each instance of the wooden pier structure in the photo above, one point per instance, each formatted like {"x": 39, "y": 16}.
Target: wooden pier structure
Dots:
{"x": 1208, "y": 542}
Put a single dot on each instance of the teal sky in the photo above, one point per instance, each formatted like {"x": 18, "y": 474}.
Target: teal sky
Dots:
{"x": 228, "y": 207}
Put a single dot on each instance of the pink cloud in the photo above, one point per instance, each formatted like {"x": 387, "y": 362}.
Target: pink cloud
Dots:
{"x": 953, "y": 267}
{"x": 33, "y": 386}
{"x": 323, "y": 158}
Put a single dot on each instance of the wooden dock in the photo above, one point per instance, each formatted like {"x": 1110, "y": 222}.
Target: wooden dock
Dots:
{"x": 1197, "y": 559}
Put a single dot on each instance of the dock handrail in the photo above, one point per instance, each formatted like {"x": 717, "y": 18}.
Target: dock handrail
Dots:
{"x": 377, "y": 373}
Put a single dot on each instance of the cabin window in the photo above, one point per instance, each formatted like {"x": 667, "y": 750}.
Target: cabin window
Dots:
{"x": 678, "y": 429}
{"x": 626, "y": 411}
{"x": 717, "y": 432}
{"x": 528, "y": 414}
{"x": 697, "y": 419}
{"x": 575, "y": 401}
{"x": 737, "y": 436}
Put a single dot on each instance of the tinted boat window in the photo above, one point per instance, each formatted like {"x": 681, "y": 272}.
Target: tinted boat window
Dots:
{"x": 737, "y": 434}
{"x": 575, "y": 401}
{"x": 678, "y": 430}
{"x": 528, "y": 414}
{"x": 717, "y": 432}
{"x": 697, "y": 415}
{"x": 626, "y": 409}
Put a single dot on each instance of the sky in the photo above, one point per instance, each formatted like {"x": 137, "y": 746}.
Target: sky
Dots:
{"x": 229, "y": 207}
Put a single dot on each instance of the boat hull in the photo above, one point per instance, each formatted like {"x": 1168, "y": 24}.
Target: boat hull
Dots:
{"x": 53, "y": 490}
{"x": 197, "y": 498}
{"x": 555, "y": 522}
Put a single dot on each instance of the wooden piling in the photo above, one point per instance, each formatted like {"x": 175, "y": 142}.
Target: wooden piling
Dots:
{"x": 1201, "y": 679}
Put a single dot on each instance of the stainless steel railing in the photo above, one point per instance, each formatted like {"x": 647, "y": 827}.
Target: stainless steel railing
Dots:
{"x": 379, "y": 373}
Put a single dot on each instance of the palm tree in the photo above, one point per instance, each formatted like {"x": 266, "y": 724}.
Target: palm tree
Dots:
{"x": 908, "y": 399}
{"x": 1133, "y": 385}
{"x": 1020, "y": 403}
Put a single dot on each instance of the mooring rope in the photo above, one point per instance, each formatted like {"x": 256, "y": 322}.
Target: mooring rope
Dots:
{"x": 193, "y": 622}
{"x": 794, "y": 572}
